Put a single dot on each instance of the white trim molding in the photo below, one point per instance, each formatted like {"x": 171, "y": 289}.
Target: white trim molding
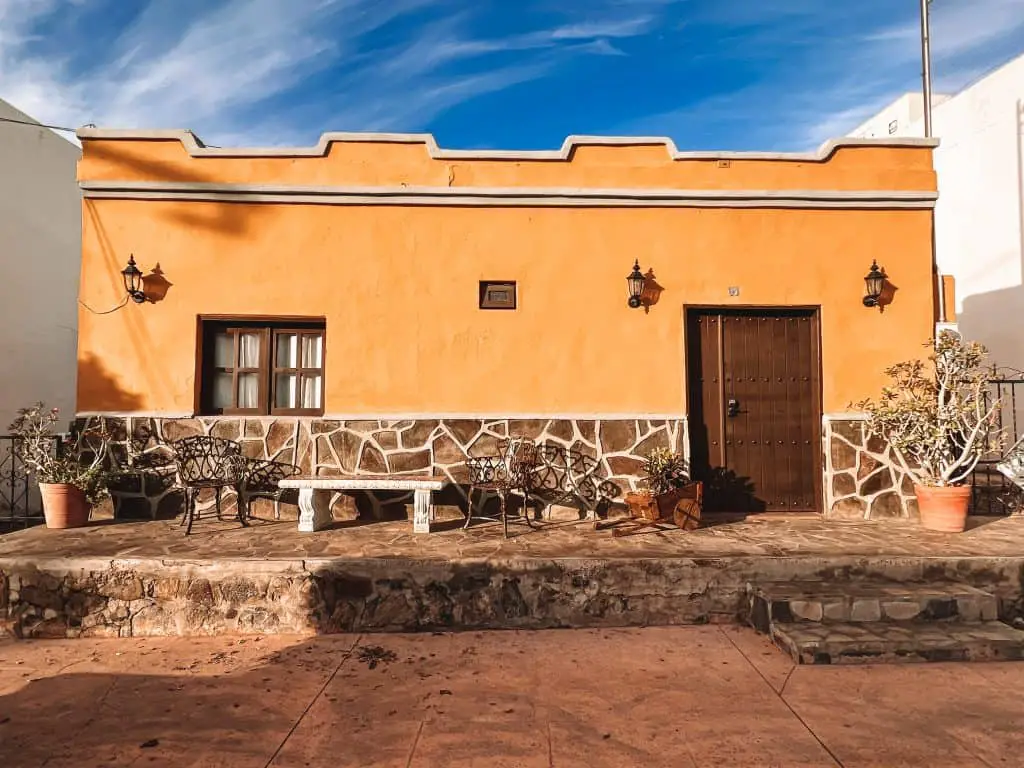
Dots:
{"x": 505, "y": 196}
{"x": 851, "y": 416}
{"x": 195, "y": 147}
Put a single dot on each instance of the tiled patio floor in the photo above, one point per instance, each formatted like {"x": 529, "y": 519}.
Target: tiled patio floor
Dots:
{"x": 213, "y": 540}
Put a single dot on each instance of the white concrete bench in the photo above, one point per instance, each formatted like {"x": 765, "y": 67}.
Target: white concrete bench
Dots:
{"x": 315, "y": 495}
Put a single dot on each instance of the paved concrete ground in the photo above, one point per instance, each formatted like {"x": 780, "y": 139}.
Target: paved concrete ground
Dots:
{"x": 213, "y": 540}
{"x": 692, "y": 696}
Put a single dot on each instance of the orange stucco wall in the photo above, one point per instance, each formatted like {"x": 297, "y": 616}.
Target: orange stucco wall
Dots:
{"x": 398, "y": 285}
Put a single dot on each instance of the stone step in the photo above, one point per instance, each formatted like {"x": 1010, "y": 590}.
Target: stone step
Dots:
{"x": 889, "y": 642}
{"x": 784, "y": 603}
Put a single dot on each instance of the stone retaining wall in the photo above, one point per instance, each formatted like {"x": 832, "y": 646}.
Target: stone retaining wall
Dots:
{"x": 134, "y": 598}
{"x": 863, "y": 479}
{"x": 330, "y": 447}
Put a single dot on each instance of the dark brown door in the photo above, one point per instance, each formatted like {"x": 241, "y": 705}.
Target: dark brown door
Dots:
{"x": 754, "y": 410}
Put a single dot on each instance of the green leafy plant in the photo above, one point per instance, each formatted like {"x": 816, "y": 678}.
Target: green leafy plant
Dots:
{"x": 61, "y": 458}
{"x": 936, "y": 415}
{"x": 665, "y": 470}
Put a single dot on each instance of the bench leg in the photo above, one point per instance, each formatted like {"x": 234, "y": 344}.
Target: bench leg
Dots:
{"x": 422, "y": 511}
{"x": 314, "y": 510}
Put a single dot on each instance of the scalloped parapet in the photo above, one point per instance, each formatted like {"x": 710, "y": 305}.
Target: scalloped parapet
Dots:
{"x": 360, "y": 160}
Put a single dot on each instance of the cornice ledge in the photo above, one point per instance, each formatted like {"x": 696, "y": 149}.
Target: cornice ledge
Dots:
{"x": 196, "y": 148}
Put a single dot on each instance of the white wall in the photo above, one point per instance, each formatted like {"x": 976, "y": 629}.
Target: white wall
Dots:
{"x": 979, "y": 219}
{"x": 40, "y": 254}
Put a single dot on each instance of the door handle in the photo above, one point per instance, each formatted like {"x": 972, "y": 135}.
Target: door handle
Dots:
{"x": 732, "y": 408}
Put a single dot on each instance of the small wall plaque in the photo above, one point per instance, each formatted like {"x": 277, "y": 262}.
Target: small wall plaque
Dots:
{"x": 497, "y": 294}
{"x": 734, "y": 290}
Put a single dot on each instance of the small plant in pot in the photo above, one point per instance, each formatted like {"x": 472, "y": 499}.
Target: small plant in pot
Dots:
{"x": 69, "y": 468}
{"x": 940, "y": 422}
{"x": 665, "y": 474}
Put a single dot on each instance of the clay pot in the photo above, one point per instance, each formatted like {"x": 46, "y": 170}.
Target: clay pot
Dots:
{"x": 943, "y": 509}
{"x": 64, "y": 506}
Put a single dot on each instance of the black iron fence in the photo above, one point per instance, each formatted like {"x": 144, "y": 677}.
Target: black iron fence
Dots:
{"x": 992, "y": 493}
{"x": 20, "y": 505}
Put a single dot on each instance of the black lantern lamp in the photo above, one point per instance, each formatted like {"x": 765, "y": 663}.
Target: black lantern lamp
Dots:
{"x": 133, "y": 281}
{"x": 874, "y": 282}
{"x": 636, "y": 281}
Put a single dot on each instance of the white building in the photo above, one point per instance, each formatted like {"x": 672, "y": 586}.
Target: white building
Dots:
{"x": 979, "y": 219}
{"x": 40, "y": 255}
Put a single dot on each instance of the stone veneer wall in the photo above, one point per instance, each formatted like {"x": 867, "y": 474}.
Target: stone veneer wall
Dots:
{"x": 327, "y": 447}
{"x": 863, "y": 479}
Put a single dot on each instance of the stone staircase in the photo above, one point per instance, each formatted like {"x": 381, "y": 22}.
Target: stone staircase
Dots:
{"x": 874, "y": 622}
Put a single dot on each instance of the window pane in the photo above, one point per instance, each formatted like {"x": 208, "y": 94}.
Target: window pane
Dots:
{"x": 249, "y": 351}
{"x": 287, "y": 351}
{"x": 224, "y": 351}
{"x": 222, "y": 390}
{"x": 284, "y": 390}
{"x": 310, "y": 392}
{"x": 313, "y": 351}
{"x": 248, "y": 390}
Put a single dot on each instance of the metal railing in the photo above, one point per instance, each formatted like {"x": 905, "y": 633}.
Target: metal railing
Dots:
{"x": 992, "y": 493}
{"x": 20, "y": 505}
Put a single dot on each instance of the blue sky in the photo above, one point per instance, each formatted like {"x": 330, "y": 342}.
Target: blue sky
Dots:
{"x": 712, "y": 74}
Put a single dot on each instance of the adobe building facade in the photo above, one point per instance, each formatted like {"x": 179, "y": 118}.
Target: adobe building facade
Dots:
{"x": 378, "y": 304}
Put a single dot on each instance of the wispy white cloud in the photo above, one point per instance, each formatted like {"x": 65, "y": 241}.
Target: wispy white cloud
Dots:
{"x": 833, "y": 68}
{"x": 238, "y": 70}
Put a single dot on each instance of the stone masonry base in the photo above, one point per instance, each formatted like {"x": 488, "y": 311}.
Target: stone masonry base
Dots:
{"x": 325, "y": 447}
{"x": 147, "y": 597}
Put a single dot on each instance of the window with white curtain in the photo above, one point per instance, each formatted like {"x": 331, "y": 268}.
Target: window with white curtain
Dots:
{"x": 262, "y": 367}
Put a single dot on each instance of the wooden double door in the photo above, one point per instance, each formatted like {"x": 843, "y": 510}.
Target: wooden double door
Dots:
{"x": 755, "y": 408}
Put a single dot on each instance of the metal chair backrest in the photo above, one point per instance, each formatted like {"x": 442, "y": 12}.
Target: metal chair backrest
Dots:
{"x": 520, "y": 457}
{"x": 208, "y": 460}
{"x": 1012, "y": 465}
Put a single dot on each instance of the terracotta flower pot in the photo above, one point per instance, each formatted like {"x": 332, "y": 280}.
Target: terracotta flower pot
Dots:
{"x": 64, "y": 506}
{"x": 943, "y": 509}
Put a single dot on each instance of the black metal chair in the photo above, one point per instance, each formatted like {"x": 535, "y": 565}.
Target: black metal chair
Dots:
{"x": 208, "y": 462}
{"x": 261, "y": 481}
{"x": 564, "y": 473}
{"x": 511, "y": 470}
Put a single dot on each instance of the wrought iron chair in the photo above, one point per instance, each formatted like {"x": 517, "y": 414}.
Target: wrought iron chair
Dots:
{"x": 512, "y": 469}
{"x": 208, "y": 462}
{"x": 261, "y": 481}
{"x": 1012, "y": 465}
{"x": 564, "y": 473}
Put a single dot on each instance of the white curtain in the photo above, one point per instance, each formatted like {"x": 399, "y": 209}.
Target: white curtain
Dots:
{"x": 310, "y": 391}
{"x": 248, "y": 390}
{"x": 224, "y": 351}
{"x": 222, "y": 390}
{"x": 249, "y": 350}
{"x": 312, "y": 351}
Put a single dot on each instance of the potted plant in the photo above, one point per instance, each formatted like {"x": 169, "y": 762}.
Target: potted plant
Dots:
{"x": 68, "y": 468}
{"x": 940, "y": 422}
{"x": 666, "y": 474}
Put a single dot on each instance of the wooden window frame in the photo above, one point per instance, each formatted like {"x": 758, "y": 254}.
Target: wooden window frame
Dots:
{"x": 487, "y": 285}
{"x": 299, "y": 371}
{"x": 268, "y": 328}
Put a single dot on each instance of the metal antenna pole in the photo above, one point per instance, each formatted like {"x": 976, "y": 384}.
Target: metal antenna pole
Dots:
{"x": 926, "y": 68}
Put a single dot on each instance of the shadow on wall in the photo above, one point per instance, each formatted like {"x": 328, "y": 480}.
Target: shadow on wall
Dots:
{"x": 996, "y": 319}
{"x": 226, "y": 218}
{"x": 101, "y": 391}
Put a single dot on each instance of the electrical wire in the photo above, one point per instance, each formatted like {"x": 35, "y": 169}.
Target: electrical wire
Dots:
{"x": 107, "y": 312}
{"x": 39, "y": 125}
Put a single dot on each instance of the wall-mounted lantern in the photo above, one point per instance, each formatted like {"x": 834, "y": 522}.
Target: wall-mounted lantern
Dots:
{"x": 133, "y": 281}
{"x": 874, "y": 284}
{"x": 636, "y": 281}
